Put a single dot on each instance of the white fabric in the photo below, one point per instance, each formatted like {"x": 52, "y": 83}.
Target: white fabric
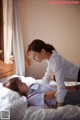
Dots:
{"x": 4, "y": 79}
{"x": 12, "y": 31}
{"x": 18, "y": 49}
{"x": 7, "y": 97}
{"x": 68, "y": 112}
{"x": 8, "y": 19}
{"x": 18, "y": 108}
{"x": 63, "y": 70}
{"x": 11, "y": 100}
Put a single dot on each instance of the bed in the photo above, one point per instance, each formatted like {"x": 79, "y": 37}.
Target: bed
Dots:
{"x": 19, "y": 109}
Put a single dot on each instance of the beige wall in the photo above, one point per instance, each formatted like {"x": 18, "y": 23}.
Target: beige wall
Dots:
{"x": 58, "y": 25}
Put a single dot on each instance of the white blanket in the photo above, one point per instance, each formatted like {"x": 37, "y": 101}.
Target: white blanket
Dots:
{"x": 18, "y": 109}
{"x": 68, "y": 112}
{"x": 11, "y": 100}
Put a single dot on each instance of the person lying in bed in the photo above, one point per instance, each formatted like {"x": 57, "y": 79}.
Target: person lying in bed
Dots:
{"x": 42, "y": 95}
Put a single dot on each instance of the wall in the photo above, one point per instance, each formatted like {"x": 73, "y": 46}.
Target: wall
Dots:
{"x": 58, "y": 25}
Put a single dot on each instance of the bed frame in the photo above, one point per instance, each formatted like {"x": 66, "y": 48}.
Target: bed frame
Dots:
{"x": 6, "y": 69}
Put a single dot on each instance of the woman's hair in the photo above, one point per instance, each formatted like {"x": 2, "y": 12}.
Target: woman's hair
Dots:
{"x": 37, "y": 45}
{"x": 13, "y": 83}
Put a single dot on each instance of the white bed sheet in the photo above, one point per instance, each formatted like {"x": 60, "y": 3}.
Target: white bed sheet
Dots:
{"x": 52, "y": 82}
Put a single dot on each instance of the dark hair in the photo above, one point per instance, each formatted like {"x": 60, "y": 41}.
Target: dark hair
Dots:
{"x": 37, "y": 45}
{"x": 13, "y": 83}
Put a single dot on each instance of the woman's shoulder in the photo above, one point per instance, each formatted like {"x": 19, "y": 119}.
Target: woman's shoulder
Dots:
{"x": 56, "y": 60}
{"x": 55, "y": 56}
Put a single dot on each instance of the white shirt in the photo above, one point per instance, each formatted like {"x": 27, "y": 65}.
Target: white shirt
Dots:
{"x": 63, "y": 70}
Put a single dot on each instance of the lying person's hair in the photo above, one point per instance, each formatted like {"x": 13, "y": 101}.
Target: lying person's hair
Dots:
{"x": 17, "y": 85}
{"x": 12, "y": 83}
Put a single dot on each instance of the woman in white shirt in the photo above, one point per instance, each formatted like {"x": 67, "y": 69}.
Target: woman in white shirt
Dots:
{"x": 63, "y": 69}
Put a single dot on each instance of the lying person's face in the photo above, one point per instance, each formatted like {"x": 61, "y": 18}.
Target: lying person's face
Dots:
{"x": 23, "y": 88}
{"x": 17, "y": 86}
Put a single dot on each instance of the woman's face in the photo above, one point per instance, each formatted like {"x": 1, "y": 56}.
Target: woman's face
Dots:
{"x": 37, "y": 56}
{"x": 23, "y": 88}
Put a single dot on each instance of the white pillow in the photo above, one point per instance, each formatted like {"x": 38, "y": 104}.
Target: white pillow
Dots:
{"x": 18, "y": 108}
{"x": 7, "y": 97}
{"x": 5, "y": 79}
{"x": 11, "y": 100}
{"x": 27, "y": 80}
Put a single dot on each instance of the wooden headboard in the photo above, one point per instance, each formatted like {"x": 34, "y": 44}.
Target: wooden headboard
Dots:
{"x": 6, "y": 69}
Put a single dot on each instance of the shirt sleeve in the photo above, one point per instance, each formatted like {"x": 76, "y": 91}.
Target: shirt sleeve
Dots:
{"x": 61, "y": 93}
{"x": 47, "y": 76}
{"x": 59, "y": 75}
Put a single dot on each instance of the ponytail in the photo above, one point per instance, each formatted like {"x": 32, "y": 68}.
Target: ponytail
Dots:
{"x": 37, "y": 45}
{"x": 49, "y": 48}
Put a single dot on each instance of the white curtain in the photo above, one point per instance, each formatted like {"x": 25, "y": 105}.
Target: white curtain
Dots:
{"x": 7, "y": 20}
{"x": 18, "y": 48}
{"x": 12, "y": 32}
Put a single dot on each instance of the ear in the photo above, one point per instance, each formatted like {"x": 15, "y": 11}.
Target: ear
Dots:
{"x": 7, "y": 84}
{"x": 42, "y": 51}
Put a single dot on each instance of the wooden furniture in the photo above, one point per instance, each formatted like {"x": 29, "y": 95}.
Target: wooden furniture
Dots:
{"x": 6, "y": 69}
{"x": 0, "y": 52}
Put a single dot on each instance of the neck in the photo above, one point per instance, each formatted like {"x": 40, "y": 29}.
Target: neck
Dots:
{"x": 48, "y": 55}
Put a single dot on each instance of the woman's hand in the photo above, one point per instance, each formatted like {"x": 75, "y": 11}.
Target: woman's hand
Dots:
{"x": 59, "y": 104}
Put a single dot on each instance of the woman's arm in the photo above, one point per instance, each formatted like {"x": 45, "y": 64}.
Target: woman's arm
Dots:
{"x": 47, "y": 77}
{"x": 70, "y": 88}
{"x": 51, "y": 95}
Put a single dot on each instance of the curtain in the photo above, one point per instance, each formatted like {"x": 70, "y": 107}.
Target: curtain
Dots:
{"x": 7, "y": 20}
{"x": 18, "y": 49}
{"x": 13, "y": 41}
